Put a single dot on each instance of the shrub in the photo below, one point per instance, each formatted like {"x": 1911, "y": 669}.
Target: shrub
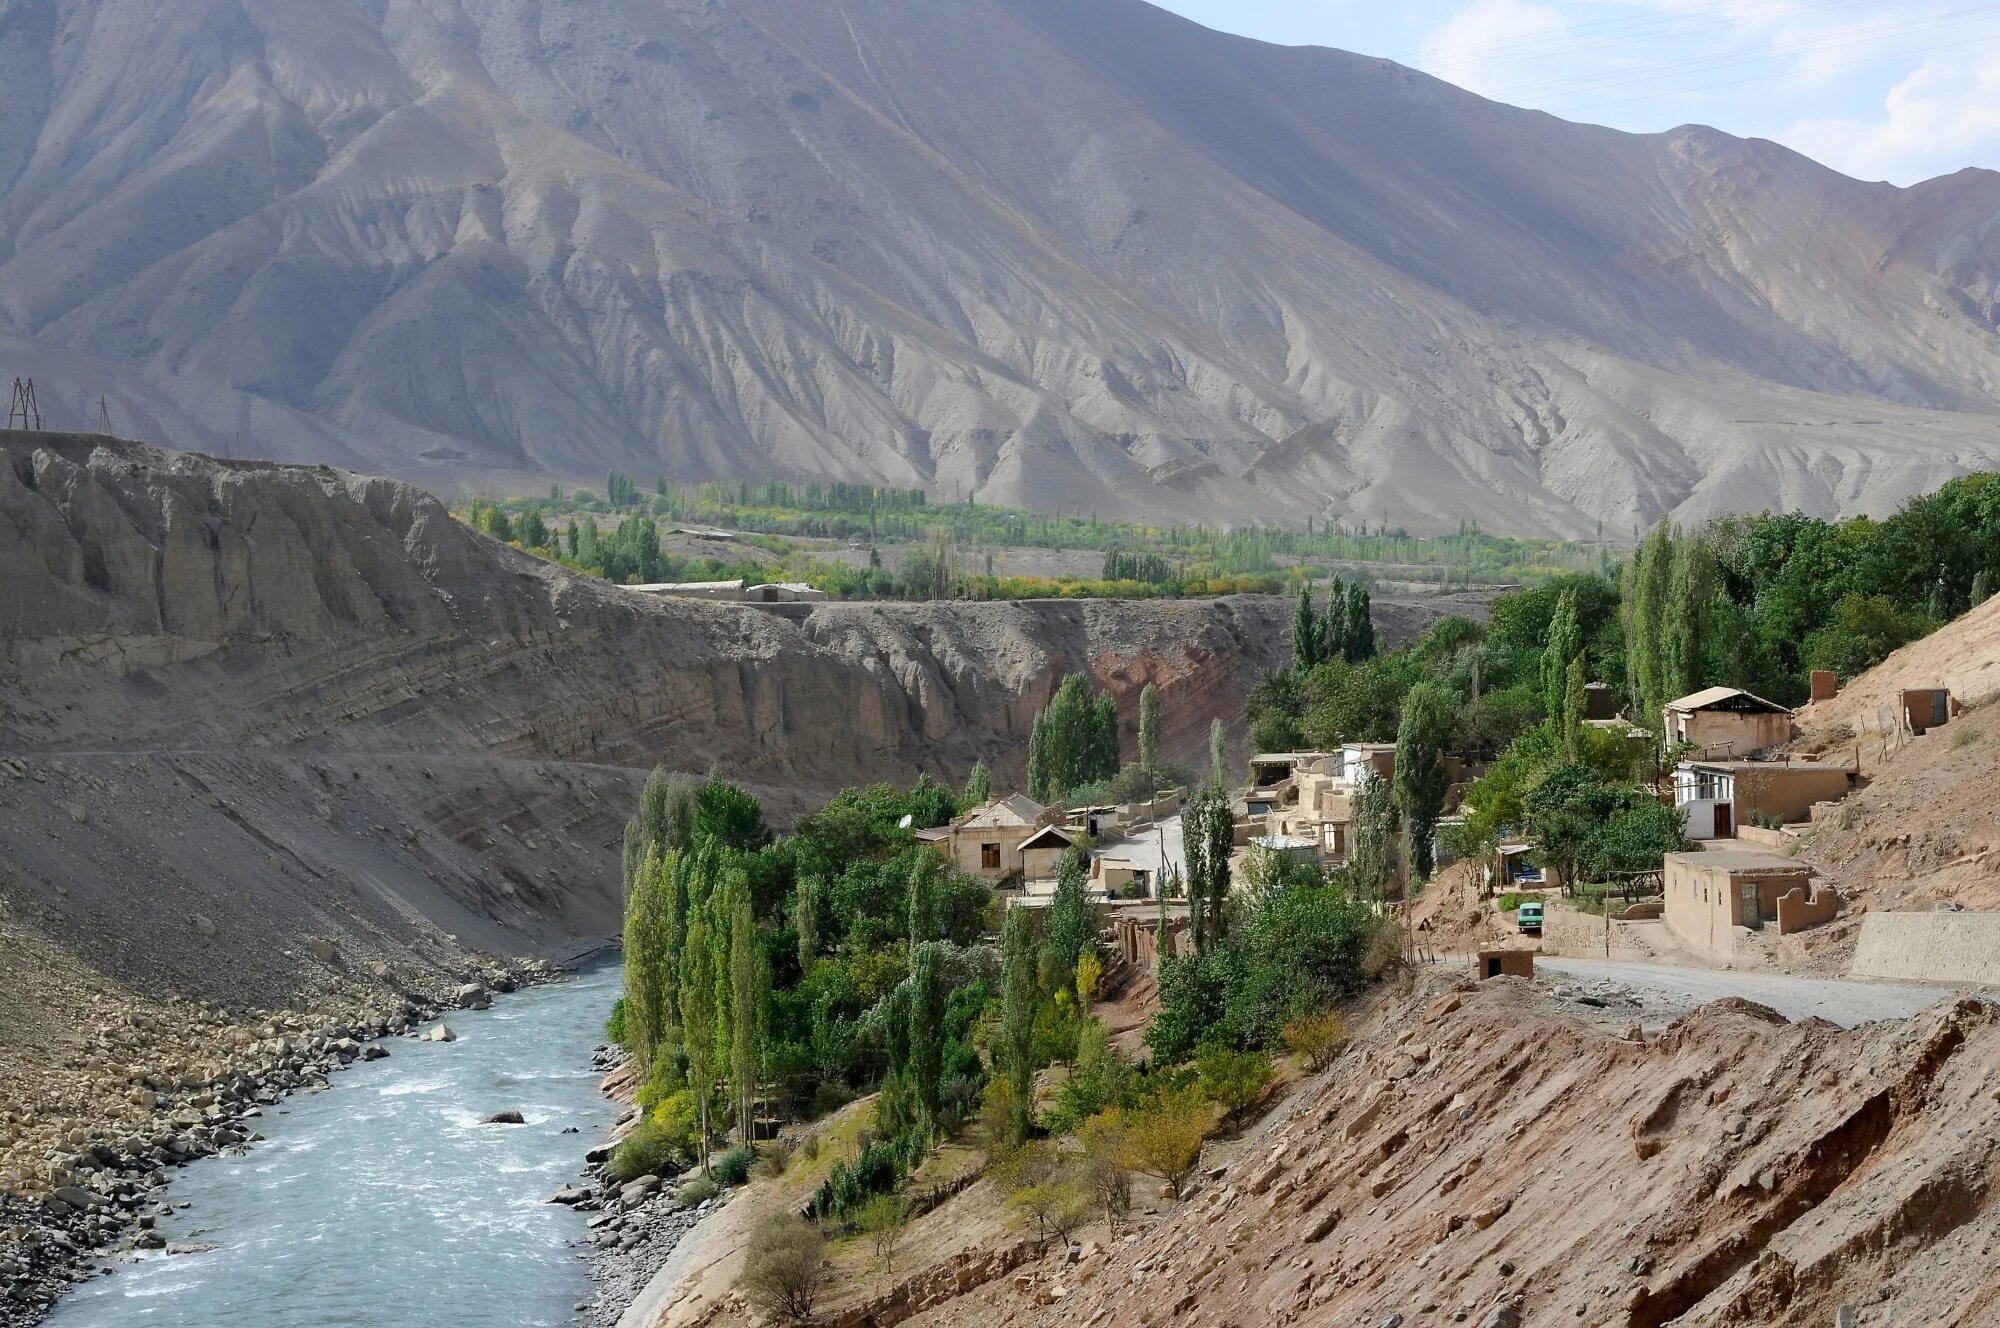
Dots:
{"x": 661, "y": 1144}
{"x": 1232, "y": 1079}
{"x": 614, "y": 1027}
{"x": 785, "y": 1267}
{"x": 697, "y": 1192}
{"x": 1040, "y": 1185}
{"x": 1102, "y": 1168}
{"x": 733, "y": 1167}
{"x": 1963, "y": 737}
{"x": 1316, "y": 1038}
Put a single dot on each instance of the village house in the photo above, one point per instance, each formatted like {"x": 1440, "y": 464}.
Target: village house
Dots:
{"x": 1041, "y": 853}
{"x": 987, "y": 840}
{"x": 1718, "y": 797}
{"x": 1715, "y": 898}
{"x": 1725, "y": 722}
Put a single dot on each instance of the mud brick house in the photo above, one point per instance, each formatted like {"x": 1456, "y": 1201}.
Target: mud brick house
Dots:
{"x": 1716, "y": 898}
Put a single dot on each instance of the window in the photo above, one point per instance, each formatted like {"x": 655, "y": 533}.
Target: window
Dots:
{"x": 989, "y": 857}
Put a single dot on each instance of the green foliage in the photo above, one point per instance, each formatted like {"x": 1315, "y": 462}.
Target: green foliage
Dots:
{"x": 614, "y": 1027}
{"x": 729, "y": 815}
{"x": 1151, "y": 726}
{"x": 1231, "y": 1079}
{"x": 1072, "y": 923}
{"x": 733, "y": 1167}
{"x": 1305, "y": 633}
{"x": 1429, "y": 723}
{"x": 1371, "y": 862}
{"x": 927, "y": 1035}
{"x": 697, "y": 1011}
{"x": 1074, "y": 741}
{"x": 1208, "y": 835}
{"x": 1021, "y": 1000}
{"x": 1863, "y": 631}
{"x": 1301, "y": 948}
{"x": 1275, "y": 712}
{"x": 1195, "y": 995}
{"x": 1345, "y": 702}
{"x": 1218, "y": 754}
{"x": 976, "y": 784}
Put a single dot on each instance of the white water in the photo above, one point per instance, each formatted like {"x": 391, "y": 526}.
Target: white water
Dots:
{"x": 382, "y": 1201}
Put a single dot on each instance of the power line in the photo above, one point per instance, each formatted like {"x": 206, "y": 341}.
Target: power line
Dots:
{"x": 23, "y": 413}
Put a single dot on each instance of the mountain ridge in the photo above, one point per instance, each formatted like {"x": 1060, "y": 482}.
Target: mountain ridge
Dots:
{"x": 1038, "y": 253}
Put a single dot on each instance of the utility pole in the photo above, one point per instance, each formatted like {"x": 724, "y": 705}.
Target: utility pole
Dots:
{"x": 23, "y": 413}
{"x": 104, "y": 417}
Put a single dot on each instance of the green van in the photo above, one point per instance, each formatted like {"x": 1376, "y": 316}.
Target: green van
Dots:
{"x": 1529, "y": 917}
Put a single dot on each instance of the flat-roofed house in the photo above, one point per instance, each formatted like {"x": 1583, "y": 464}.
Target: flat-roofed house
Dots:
{"x": 1718, "y": 797}
{"x": 1726, "y": 721}
{"x": 1716, "y": 898}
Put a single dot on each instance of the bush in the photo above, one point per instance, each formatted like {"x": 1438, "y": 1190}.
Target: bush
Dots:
{"x": 697, "y": 1192}
{"x": 1962, "y": 737}
{"x": 1316, "y": 1038}
{"x": 785, "y": 1268}
{"x": 1165, "y": 1139}
{"x": 733, "y": 1167}
{"x": 661, "y": 1144}
{"x": 1232, "y": 1079}
{"x": 614, "y": 1027}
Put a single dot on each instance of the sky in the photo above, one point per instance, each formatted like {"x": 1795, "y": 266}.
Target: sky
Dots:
{"x": 1897, "y": 90}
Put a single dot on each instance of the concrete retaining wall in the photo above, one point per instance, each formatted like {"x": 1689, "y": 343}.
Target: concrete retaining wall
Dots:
{"x": 1939, "y": 947}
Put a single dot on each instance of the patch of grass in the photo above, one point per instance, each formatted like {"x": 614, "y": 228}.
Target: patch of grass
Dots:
{"x": 1963, "y": 738}
{"x": 733, "y": 1167}
{"x": 697, "y": 1191}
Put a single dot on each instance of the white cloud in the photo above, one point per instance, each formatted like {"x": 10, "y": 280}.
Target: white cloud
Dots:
{"x": 1943, "y": 116}
{"x": 1485, "y": 46}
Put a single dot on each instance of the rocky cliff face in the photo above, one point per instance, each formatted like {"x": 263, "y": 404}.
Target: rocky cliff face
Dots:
{"x": 1053, "y": 252}
{"x": 245, "y": 705}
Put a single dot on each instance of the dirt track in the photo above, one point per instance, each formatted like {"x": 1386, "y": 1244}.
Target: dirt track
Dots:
{"x": 1668, "y": 991}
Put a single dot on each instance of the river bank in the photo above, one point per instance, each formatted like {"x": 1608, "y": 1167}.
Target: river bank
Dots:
{"x": 85, "y": 1161}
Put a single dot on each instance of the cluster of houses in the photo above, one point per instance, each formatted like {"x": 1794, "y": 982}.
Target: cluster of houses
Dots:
{"x": 1735, "y": 786}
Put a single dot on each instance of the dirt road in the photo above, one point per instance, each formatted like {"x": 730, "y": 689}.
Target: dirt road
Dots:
{"x": 1667, "y": 990}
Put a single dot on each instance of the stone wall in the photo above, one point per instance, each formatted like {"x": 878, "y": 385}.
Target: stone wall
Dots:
{"x": 1571, "y": 932}
{"x": 1806, "y": 906}
{"x": 1936, "y": 947}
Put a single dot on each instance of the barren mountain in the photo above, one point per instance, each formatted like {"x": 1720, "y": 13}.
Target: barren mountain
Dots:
{"x": 1053, "y": 252}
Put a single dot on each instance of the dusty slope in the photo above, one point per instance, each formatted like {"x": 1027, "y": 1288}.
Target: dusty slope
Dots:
{"x": 1925, "y": 830}
{"x": 1497, "y": 1145}
{"x": 1059, "y": 252}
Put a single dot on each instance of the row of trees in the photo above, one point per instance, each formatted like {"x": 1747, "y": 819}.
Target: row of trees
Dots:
{"x": 1073, "y": 742}
{"x": 1344, "y": 631}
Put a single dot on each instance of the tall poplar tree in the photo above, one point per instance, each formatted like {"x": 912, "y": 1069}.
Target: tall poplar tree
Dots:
{"x": 1208, "y": 834}
{"x": 1218, "y": 754}
{"x": 1020, "y": 1001}
{"x": 743, "y": 1010}
{"x": 1305, "y": 633}
{"x": 1421, "y": 742}
{"x": 976, "y": 784}
{"x": 927, "y": 1002}
{"x": 1151, "y": 722}
{"x": 698, "y": 1023}
{"x": 1565, "y": 643}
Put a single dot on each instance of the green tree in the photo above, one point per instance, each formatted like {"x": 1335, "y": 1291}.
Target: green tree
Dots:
{"x": 805, "y": 923}
{"x": 1333, "y": 623}
{"x": 921, "y": 900}
{"x": 1305, "y": 633}
{"x": 1151, "y": 723}
{"x": 1422, "y": 743}
{"x": 646, "y": 984}
{"x": 1074, "y": 741}
{"x": 1208, "y": 834}
{"x": 1575, "y": 700}
{"x": 1072, "y": 923}
{"x": 1861, "y": 633}
{"x": 1360, "y": 637}
{"x": 927, "y": 1007}
{"x": 698, "y": 1021}
{"x": 1690, "y": 592}
{"x": 1371, "y": 863}
{"x": 1218, "y": 754}
{"x": 534, "y": 531}
{"x": 1020, "y": 1002}
{"x": 976, "y": 784}
{"x": 1650, "y": 582}
{"x": 1346, "y": 702}
{"x": 743, "y": 956}
{"x": 1565, "y": 644}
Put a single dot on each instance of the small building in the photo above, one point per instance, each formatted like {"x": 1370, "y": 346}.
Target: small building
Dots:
{"x": 1717, "y": 897}
{"x": 1514, "y": 868}
{"x": 1041, "y": 853}
{"x": 783, "y": 592}
{"x": 1717, "y": 797}
{"x": 1727, "y": 721}
{"x": 986, "y": 841}
{"x": 1599, "y": 701}
{"x": 1924, "y": 708}
{"x": 1358, "y": 760}
{"x": 1503, "y": 964}
{"x": 1299, "y": 850}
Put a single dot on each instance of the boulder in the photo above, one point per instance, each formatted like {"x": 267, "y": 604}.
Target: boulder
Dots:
{"x": 472, "y": 996}
{"x": 509, "y": 1117}
{"x": 570, "y": 1196}
{"x": 440, "y": 1033}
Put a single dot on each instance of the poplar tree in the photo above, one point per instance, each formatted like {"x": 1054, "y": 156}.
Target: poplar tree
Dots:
{"x": 1208, "y": 834}
{"x": 1305, "y": 633}
{"x": 1333, "y": 624}
{"x": 976, "y": 784}
{"x": 920, "y": 899}
{"x": 1652, "y": 578}
{"x": 1360, "y": 640}
{"x": 743, "y": 1005}
{"x": 1072, "y": 924}
{"x": 647, "y": 991}
{"x": 1564, "y": 645}
{"x": 805, "y": 923}
{"x": 1684, "y": 622}
{"x": 1218, "y": 754}
{"x": 698, "y": 1023}
{"x": 1575, "y": 698}
{"x": 1151, "y": 722}
{"x": 1020, "y": 1001}
{"x": 927, "y": 1002}
{"x": 1421, "y": 783}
